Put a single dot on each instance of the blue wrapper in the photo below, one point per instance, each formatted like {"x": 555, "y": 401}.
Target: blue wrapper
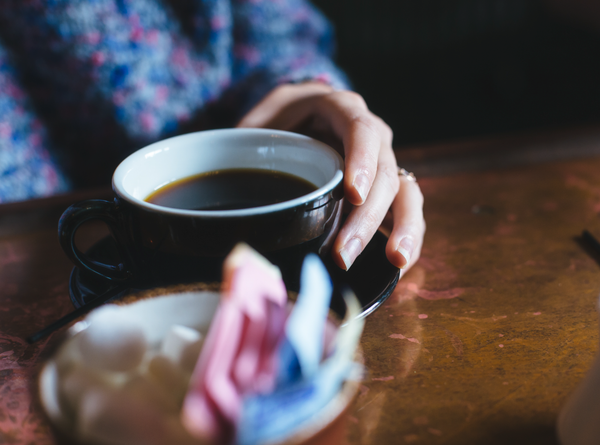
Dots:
{"x": 302, "y": 349}
{"x": 268, "y": 418}
{"x": 273, "y": 417}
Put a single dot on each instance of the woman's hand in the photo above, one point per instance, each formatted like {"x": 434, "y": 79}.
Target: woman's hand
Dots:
{"x": 372, "y": 183}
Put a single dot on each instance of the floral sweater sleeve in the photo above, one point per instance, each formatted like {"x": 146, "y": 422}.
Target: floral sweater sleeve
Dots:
{"x": 85, "y": 82}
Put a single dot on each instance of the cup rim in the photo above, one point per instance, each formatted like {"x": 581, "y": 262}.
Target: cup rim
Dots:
{"x": 121, "y": 170}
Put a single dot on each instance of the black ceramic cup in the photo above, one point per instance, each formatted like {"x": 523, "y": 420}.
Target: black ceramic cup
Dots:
{"x": 159, "y": 244}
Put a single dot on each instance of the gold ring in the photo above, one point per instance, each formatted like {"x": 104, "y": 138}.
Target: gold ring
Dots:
{"x": 410, "y": 176}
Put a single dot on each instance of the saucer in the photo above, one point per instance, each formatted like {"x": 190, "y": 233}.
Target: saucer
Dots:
{"x": 372, "y": 277}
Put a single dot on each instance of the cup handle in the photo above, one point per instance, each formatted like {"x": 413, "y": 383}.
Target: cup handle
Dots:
{"x": 77, "y": 214}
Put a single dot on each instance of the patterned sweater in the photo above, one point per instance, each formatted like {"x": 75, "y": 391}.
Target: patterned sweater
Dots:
{"x": 83, "y": 83}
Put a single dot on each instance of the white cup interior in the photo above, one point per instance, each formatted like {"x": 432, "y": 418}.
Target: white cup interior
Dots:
{"x": 179, "y": 157}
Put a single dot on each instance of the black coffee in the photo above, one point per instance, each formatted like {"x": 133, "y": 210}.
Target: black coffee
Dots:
{"x": 231, "y": 189}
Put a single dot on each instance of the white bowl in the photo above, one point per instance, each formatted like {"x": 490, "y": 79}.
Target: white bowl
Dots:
{"x": 195, "y": 310}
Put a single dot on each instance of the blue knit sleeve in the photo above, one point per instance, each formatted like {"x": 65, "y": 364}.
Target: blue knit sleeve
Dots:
{"x": 280, "y": 41}
{"x": 27, "y": 168}
{"x": 98, "y": 79}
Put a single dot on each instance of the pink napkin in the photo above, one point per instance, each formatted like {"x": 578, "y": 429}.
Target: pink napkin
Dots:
{"x": 239, "y": 355}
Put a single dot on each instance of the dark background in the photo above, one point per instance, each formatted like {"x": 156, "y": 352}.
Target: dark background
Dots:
{"x": 437, "y": 70}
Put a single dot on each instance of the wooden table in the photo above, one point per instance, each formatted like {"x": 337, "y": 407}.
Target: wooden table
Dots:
{"x": 481, "y": 341}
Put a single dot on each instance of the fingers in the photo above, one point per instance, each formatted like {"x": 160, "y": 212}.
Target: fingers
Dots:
{"x": 363, "y": 135}
{"x": 404, "y": 244}
{"x": 371, "y": 181}
{"x": 344, "y": 113}
{"x": 363, "y": 221}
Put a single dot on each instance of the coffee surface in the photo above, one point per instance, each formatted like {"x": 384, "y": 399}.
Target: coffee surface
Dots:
{"x": 231, "y": 189}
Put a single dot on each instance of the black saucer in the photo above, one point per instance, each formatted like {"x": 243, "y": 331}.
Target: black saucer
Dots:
{"x": 372, "y": 278}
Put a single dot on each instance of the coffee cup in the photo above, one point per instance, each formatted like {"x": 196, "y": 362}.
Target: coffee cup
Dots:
{"x": 162, "y": 244}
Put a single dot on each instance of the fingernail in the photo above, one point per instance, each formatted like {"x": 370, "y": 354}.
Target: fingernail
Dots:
{"x": 405, "y": 248}
{"x": 350, "y": 251}
{"x": 361, "y": 184}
